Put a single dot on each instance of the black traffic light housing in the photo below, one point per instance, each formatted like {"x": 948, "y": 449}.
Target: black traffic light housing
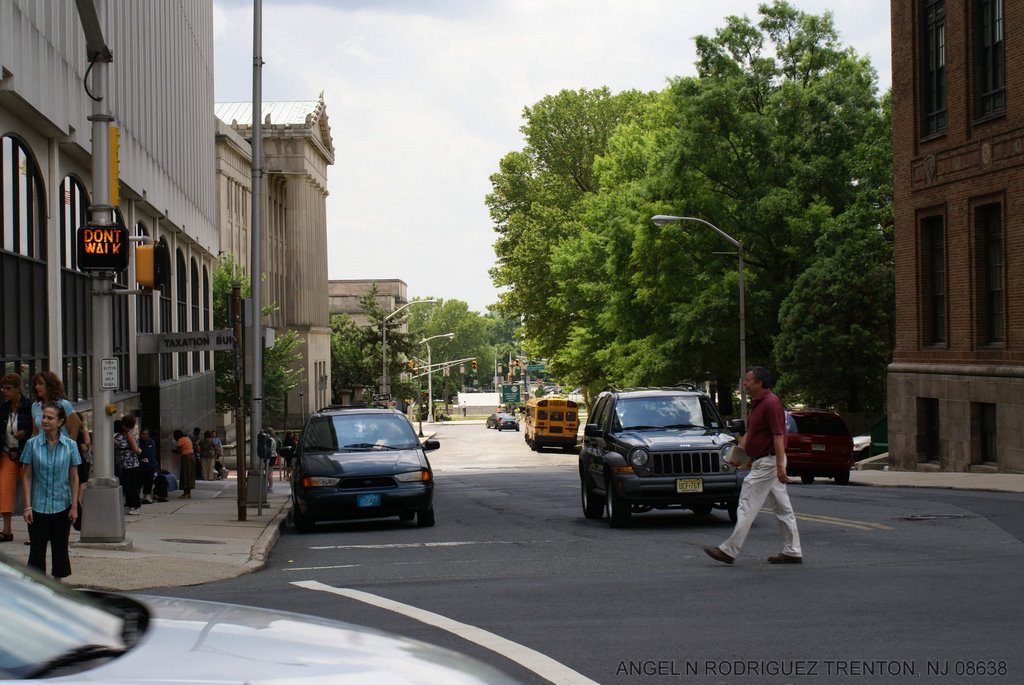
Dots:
{"x": 153, "y": 266}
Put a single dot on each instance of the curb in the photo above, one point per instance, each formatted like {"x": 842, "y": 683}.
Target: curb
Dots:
{"x": 265, "y": 542}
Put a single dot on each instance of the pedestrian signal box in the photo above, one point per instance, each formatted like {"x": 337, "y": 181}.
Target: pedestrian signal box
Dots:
{"x": 103, "y": 248}
{"x": 153, "y": 266}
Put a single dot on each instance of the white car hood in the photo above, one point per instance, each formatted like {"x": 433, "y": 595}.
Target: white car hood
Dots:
{"x": 203, "y": 642}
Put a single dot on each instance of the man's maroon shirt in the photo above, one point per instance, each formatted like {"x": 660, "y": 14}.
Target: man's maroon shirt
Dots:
{"x": 767, "y": 419}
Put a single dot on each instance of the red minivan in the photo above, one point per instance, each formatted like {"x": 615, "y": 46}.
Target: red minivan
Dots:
{"x": 818, "y": 444}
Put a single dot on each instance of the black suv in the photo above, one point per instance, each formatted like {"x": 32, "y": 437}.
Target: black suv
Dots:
{"x": 656, "y": 449}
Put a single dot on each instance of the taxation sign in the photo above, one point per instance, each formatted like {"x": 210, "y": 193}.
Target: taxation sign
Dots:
{"x": 103, "y": 248}
{"x": 159, "y": 343}
{"x": 509, "y": 393}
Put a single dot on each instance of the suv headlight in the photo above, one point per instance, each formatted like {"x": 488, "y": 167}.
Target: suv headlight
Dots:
{"x": 639, "y": 457}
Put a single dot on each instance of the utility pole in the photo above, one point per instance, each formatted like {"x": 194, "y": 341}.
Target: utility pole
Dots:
{"x": 256, "y": 336}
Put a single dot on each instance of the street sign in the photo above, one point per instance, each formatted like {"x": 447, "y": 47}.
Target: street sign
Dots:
{"x": 109, "y": 375}
{"x": 154, "y": 343}
{"x": 382, "y": 398}
{"x": 536, "y": 367}
{"x": 102, "y": 248}
{"x": 509, "y": 393}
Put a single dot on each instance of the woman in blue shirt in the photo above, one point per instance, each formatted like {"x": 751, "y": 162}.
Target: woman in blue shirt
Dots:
{"x": 50, "y": 483}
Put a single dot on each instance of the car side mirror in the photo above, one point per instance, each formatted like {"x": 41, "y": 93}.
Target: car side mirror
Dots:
{"x": 431, "y": 445}
{"x": 738, "y": 426}
{"x": 591, "y": 430}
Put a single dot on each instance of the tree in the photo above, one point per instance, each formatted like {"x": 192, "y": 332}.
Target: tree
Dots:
{"x": 281, "y": 372}
{"x": 780, "y": 140}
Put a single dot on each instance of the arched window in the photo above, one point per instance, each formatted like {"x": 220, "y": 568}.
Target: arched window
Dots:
{"x": 181, "y": 275}
{"x": 166, "y": 360}
{"x": 194, "y": 274}
{"x": 75, "y": 291}
{"x": 207, "y": 316}
{"x": 23, "y": 333}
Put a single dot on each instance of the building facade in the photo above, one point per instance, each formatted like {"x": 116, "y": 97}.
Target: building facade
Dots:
{"x": 162, "y": 108}
{"x": 344, "y": 296}
{"x": 956, "y": 383}
{"x": 297, "y": 149}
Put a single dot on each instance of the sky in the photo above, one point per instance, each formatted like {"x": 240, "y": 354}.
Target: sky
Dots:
{"x": 424, "y": 98}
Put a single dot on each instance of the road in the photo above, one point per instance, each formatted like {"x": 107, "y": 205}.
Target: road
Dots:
{"x": 899, "y": 585}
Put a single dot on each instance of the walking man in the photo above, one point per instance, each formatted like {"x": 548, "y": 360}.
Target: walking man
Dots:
{"x": 765, "y": 442}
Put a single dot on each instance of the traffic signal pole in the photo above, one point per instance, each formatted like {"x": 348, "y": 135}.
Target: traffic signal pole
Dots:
{"x": 102, "y": 498}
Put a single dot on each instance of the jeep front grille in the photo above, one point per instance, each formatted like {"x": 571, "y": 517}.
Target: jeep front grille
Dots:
{"x": 683, "y": 463}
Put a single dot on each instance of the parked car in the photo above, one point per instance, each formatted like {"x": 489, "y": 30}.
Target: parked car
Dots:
{"x": 53, "y": 633}
{"x": 359, "y": 463}
{"x": 656, "y": 449}
{"x": 506, "y": 422}
{"x": 818, "y": 443}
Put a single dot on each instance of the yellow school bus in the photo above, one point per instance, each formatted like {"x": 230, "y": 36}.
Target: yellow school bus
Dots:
{"x": 551, "y": 422}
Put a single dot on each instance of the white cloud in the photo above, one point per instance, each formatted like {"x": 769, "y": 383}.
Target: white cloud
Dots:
{"x": 424, "y": 99}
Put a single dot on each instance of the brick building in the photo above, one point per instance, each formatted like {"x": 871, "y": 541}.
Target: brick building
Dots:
{"x": 956, "y": 384}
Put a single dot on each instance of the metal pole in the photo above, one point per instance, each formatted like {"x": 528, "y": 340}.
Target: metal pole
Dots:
{"x": 430, "y": 386}
{"x": 103, "y": 495}
{"x": 241, "y": 466}
{"x": 256, "y": 336}
{"x": 384, "y": 356}
{"x": 743, "y": 337}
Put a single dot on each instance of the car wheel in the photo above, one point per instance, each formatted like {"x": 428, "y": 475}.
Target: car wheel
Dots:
{"x": 701, "y": 510}
{"x": 734, "y": 512}
{"x": 806, "y": 480}
{"x": 843, "y": 478}
{"x": 499, "y": 429}
{"x": 593, "y": 508}
{"x": 425, "y": 518}
{"x": 619, "y": 512}
{"x": 302, "y": 522}
{"x": 407, "y": 516}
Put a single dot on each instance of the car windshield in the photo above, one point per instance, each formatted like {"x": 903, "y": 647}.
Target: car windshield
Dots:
{"x": 359, "y": 432}
{"x": 666, "y": 411}
{"x": 43, "y": 623}
{"x": 816, "y": 424}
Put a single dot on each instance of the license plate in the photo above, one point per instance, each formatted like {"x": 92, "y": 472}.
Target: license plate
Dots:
{"x": 368, "y": 501}
{"x": 689, "y": 485}
{"x": 817, "y": 447}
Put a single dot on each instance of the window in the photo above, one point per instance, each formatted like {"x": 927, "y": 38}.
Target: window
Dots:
{"x": 194, "y": 274}
{"x": 23, "y": 319}
{"x": 927, "y": 429}
{"x": 207, "y": 317}
{"x": 989, "y": 258}
{"x": 166, "y": 359}
{"x": 991, "y": 59}
{"x": 934, "y": 67}
{"x": 181, "y": 274}
{"x": 983, "y": 433}
{"x": 933, "y": 281}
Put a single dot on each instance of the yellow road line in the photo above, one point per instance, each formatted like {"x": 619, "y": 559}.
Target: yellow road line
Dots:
{"x": 848, "y": 523}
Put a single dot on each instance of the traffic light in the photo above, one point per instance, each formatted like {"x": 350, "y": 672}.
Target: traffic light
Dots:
{"x": 153, "y": 266}
{"x": 473, "y": 364}
{"x": 411, "y": 364}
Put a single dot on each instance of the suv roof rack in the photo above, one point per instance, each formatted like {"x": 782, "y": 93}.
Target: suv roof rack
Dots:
{"x": 689, "y": 387}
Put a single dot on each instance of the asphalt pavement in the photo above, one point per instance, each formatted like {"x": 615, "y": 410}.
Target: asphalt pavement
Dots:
{"x": 200, "y": 540}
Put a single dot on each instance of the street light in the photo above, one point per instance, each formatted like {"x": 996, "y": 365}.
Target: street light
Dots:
{"x": 430, "y": 373}
{"x": 385, "y": 387}
{"x": 661, "y": 220}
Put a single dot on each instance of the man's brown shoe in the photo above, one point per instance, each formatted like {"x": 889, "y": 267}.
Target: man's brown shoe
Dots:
{"x": 785, "y": 559}
{"x": 718, "y": 555}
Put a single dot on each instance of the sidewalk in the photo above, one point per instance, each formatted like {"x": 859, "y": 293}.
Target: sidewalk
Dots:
{"x": 200, "y": 540}
{"x": 176, "y": 543}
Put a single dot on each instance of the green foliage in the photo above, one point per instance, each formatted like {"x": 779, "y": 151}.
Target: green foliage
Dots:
{"x": 782, "y": 142}
{"x": 281, "y": 372}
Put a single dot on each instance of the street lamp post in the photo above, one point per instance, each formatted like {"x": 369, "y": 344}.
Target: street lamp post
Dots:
{"x": 661, "y": 220}
{"x": 430, "y": 373}
{"x": 385, "y": 386}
